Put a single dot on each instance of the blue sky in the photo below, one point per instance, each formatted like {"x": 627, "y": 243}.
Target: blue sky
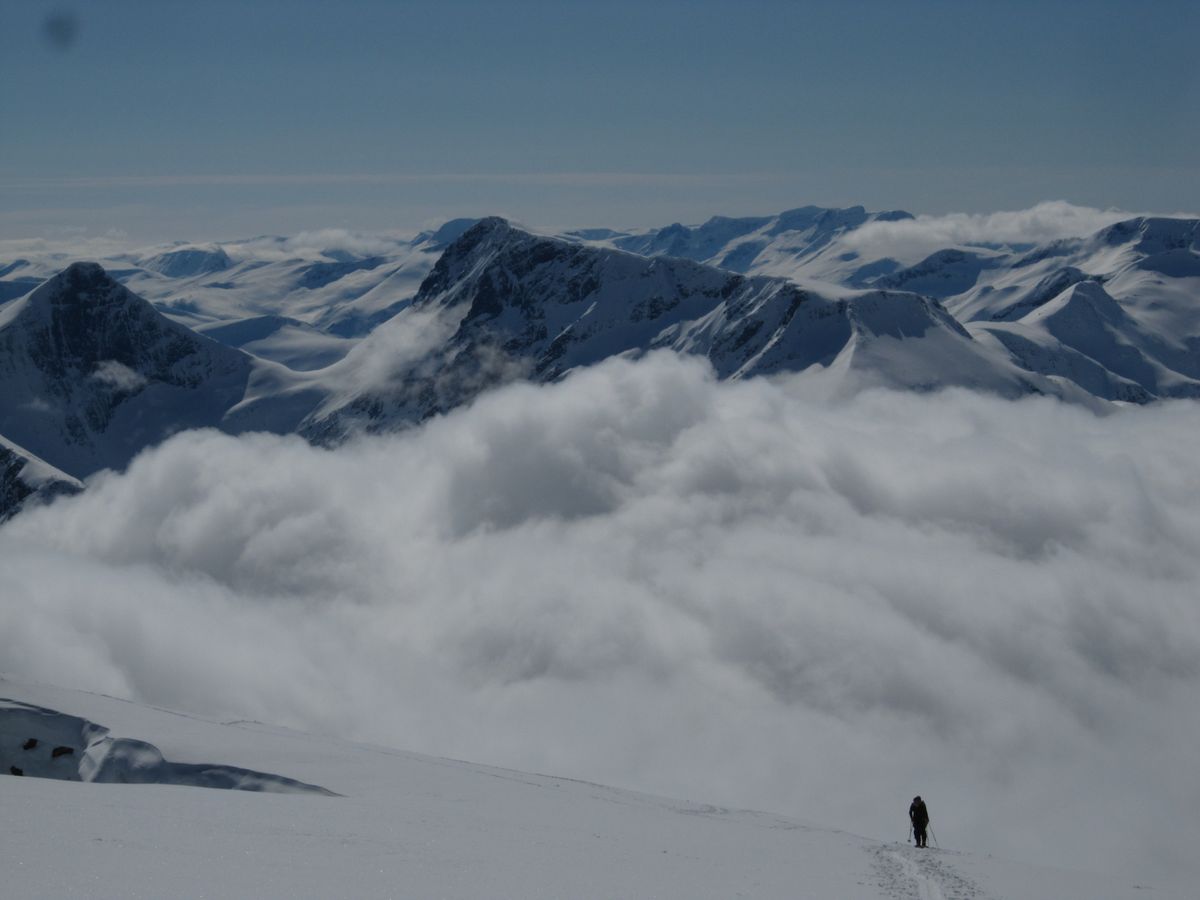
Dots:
{"x": 186, "y": 120}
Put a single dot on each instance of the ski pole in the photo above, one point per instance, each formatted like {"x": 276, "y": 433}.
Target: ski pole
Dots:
{"x": 934, "y": 836}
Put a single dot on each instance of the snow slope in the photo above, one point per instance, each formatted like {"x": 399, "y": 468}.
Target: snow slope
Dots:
{"x": 24, "y": 478}
{"x": 511, "y": 304}
{"x": 407, "y": 825}
{"x": 90, "y": 373}
{"x": 803, "y": 242}
{"x": 338, "y": 283}
{"x": 342, "y": 331}
{"x": 1118, "y": 312}
{"x": 1129, "y": 332}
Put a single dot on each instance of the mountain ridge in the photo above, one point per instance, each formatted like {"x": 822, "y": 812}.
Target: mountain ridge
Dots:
{"x": 536, "y": 307}
{"x": 343, "y": 332}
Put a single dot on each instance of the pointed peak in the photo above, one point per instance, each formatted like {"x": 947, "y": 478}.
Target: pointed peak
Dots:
{"x": 451, "y": 231}
{"x": 485, "y": 231}
{"x": 484, "y": 237}
{"x": 1093, "y": 293}
{"x": 488, "y": 226}
{"x": 79, "y": 278}
{"x": 1089, "y": 288}
{"x": 81, "y": 283}
{"x": 83, "y": 273}
{"x": 1082, "y": 298}
{"x": 83, "y": 288}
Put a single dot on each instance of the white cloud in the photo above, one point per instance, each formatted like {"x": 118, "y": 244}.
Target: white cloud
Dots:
{"x": 741, "y": 593}
{"x": 119, "y": 376}
{"x": 918, "y": 237}
{"x": 325, "y": 240}
{"x": 64, "y": 247}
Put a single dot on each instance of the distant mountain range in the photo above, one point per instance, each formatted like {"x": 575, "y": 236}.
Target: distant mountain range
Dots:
{"x": 374, "y": 333}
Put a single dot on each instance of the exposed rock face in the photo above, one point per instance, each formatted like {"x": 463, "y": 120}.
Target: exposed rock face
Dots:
{"x": 518, "y": 305}
{"x": 25, "y": 480}
{"x": 90, "y": 373}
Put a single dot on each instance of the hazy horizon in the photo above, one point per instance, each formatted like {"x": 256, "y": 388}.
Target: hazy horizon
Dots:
{"x": 227, "y": 120}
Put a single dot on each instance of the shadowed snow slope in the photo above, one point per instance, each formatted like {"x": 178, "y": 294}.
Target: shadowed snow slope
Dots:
{"x": 418, "y": 826}
{"x": 23, "y": 476}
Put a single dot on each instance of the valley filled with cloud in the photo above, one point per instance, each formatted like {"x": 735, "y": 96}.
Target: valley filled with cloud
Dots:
{"x": 771, "y": 593}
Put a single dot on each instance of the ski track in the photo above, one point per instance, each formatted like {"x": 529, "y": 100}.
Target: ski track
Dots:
{"x": 906, "y": 873}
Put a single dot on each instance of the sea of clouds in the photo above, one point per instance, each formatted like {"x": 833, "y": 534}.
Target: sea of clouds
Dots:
{"x": 763, "y": 594}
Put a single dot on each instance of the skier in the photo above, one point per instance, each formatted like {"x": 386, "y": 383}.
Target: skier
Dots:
{"x": 919, "y": 816}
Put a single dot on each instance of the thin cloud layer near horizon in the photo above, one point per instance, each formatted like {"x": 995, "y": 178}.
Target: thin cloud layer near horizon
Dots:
{"x": 180, "y": 122}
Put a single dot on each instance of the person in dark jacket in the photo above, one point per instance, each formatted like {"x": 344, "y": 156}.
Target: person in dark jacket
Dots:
{"x": 919, "y": 816}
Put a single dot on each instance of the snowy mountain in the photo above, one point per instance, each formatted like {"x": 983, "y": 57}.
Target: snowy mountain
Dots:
{"x": 329, "y": 333}
{"x": 90, "y": 373}
{"x": 513, "y": 304}
{"x": 798, "y": 240}
{"x": 102, "y": 813}
{"x": 342, "y": 285}
{"x": 1116, "y": 312}
{"x": 26, "y": 479}
{"x": 1131, "y": 336}
{"x": 188, "y": 262}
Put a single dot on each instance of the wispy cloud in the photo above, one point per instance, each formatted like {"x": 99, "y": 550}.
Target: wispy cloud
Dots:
{"x": 1047, "y": 221}
{"x": 119, "y": 376}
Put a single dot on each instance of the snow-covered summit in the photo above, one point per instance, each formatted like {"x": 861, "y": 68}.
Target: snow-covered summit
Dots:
{"x": 90, "y": 372}
{"x": 341, "y": 328}
{"x": 1116, "y": 312}
{"x": 765, "y": 245}
{"x": 521, "y": 305}
{"x": 187, "y": 262}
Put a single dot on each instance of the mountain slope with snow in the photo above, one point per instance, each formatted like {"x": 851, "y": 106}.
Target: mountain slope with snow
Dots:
{"x": 756, "y": 245}
{"x": 24, "y": 479}
{"x": 514, "y": 305}
{"x": 336, "y": 284}
{"x": 329, "y": 333}
{"x": 90, "y": 373}
{"x": 407, "y": 825}
{"x": 1117, "y": 312}
{"x": 1146, "y": 271}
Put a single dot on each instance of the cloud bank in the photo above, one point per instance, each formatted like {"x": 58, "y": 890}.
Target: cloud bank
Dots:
{"x": 750, "y": 594}
{"x": 1049, "y": 221}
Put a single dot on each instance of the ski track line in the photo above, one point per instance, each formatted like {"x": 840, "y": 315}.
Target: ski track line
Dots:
{"x": 909, "y": 874}
{"x": 927, "y": 888}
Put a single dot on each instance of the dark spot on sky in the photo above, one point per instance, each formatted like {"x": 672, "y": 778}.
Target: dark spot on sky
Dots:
{"x": 60, "y": 29}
